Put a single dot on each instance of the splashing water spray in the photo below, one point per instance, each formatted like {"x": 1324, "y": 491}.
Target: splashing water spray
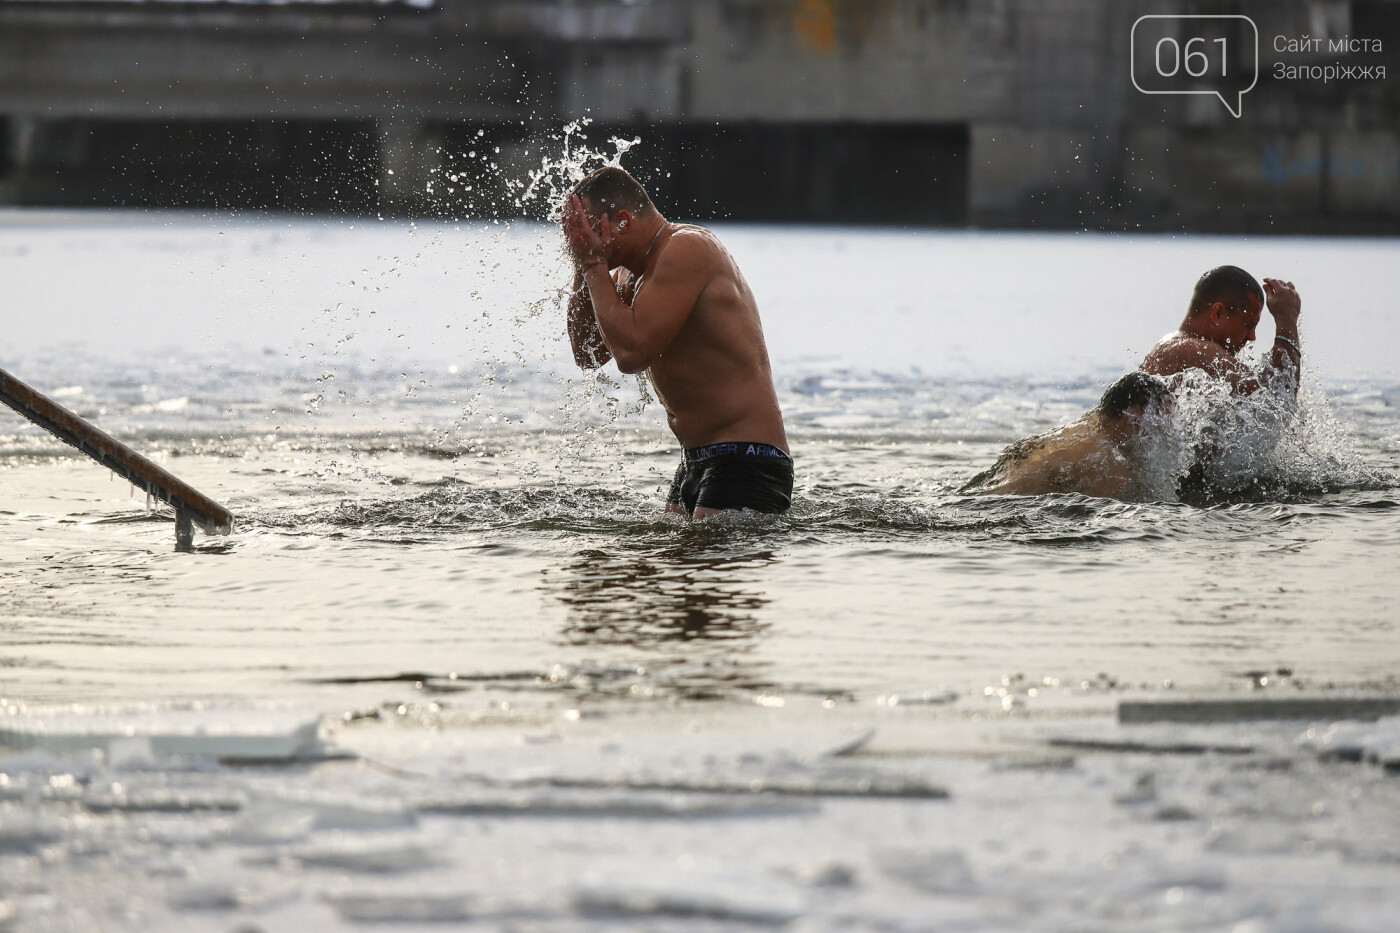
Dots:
{"x": 1214, "y": 445}
{"x": 514, "y": 293}
{"x": 542, "y": 194}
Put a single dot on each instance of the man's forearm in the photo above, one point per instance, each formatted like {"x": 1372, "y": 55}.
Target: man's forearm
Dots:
{"x": 1287, "y": 353}
{"x": 590, "y": 350}
{"x": 615, "y": 319}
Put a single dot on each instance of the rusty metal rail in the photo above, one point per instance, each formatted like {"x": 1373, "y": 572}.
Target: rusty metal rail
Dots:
{"x": 191, "y": 506}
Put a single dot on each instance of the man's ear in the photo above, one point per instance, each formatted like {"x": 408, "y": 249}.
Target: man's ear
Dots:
{"x": 622, "y": 219}
{"x": 1218, "y": 312}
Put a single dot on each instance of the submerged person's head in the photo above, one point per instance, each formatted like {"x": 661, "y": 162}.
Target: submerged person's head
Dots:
{"x": 1130, "y": 398}
{"x": 1225, "y": 306}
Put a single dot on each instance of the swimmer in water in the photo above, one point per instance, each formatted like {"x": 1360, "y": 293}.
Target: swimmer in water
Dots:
{"x": 1095, "y": 455}
{"x": 1220, "y": 322}
{"x": 668, "y": 299}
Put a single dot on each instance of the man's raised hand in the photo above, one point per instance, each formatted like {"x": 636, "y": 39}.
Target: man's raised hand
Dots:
{"x": 1284, "y": 303}
{"x": 589, "y": 246}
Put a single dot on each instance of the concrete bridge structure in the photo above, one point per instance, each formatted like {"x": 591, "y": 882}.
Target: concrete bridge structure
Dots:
{"x": 990, "y": 112}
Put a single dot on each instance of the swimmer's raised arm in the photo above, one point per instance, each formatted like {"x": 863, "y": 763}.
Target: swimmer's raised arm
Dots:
{"x": 1285, "y": 306}
{"x": 638, "y": 333}
{"x": 590, "y": 350}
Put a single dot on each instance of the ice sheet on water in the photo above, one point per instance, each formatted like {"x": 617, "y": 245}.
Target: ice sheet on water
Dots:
{"x": 342, "y": 811}
{"x": 1377, "y": 742}
{"x": 122, "y": 798}
{"x": 286, "y": 816}
{"x": 655, "y": 774}
{"x": 347, "y": 851}
{"x": 22, "y": 830}
{"x": 1330, "y": 707}
{"x": 735, "y": 899}
{"x": 1157, "y": 740}
{"x": 826, "y": 873}
{"x": 25, "y": 768}
{"x": 227, "y": 895}
{"x": 265, "y": 822}
{"x": 131, "y": 735}
{"x": 611, "y": 802}
{"x": 932, "y": 870}
{"x": 864, "y": 782}
{"x": 403, "y": 907}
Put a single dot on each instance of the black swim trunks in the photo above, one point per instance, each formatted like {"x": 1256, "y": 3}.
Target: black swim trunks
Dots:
{"x": 734, "y": 475}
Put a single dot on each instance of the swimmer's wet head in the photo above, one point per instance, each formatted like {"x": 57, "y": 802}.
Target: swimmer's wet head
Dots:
{"x": 1131, "y": 401}
{"x": 1225, "y": 307}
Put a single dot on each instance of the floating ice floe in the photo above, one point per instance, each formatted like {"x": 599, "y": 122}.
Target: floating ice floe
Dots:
{"x": 801, "y": 784}
{"x": 1234, "y": 709}
{"x": 612, "y": 802}
{"x": 721, "y": 899}
{"x": 23, "y": 832}
{"x": 130, "y": 736}
{"x": 934, "y": 871}
{"x": 1376, "y": 742}
{"x": 328, "y": 811}
{"x": 351, "y": 852}
{"x": 399, "y": 907}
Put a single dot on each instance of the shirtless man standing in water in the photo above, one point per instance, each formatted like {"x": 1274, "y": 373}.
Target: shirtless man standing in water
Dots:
{"x": 678, "y": 308}
{"x": 1220, "y": 322}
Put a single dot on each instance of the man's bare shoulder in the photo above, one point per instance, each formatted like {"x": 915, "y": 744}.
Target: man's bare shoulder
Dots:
{"x": 693, "y": 260}
{"x": 1179, "y": 352}
{"x": 686, "y": 264}
{"x": 693, "y": 231}
{"x": 696, "y": 245}
{"x": 688, "y": 251}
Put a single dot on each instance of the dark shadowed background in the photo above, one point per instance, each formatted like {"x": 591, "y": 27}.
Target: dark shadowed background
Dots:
{"x": 1012, "y": 114}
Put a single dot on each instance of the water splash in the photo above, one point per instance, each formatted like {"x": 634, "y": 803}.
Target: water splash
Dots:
{"x": 558, "y": 174}
{"x": 1213, "y": 445}
{"x": 513, "y": 295}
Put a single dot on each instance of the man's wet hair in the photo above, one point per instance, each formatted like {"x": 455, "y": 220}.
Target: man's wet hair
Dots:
{"x": 1132, "y": 391}
{"x": 1229, "y": 284}
{"x": 610, "y": 189}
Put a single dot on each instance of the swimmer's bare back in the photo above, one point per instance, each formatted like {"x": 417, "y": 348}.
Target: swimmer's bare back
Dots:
{"x": 1178, "y": 352}
{"x": 1073, "y": 458}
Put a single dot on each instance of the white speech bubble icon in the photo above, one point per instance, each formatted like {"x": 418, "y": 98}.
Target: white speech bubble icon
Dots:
{"x": 1180, "y": 57}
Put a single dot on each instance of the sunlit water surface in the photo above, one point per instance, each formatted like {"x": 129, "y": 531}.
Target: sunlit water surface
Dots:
{"x": 438, "y": 520}
{"x": 422, "y": 483}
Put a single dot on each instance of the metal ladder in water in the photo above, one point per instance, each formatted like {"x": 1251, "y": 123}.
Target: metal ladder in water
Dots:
{"x": 191, "y": 506}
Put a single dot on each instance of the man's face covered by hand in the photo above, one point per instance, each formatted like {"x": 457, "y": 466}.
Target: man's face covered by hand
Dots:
{"x": 589, "y": 232}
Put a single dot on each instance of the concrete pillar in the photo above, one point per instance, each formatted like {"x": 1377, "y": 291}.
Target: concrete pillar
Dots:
{"x": 410, "y": 167}
{"x": 17, "y": 137}
{"x": 22, "y": 136}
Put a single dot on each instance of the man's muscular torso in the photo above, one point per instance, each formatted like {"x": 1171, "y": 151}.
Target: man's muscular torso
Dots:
{"x": 714, "y": 378}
